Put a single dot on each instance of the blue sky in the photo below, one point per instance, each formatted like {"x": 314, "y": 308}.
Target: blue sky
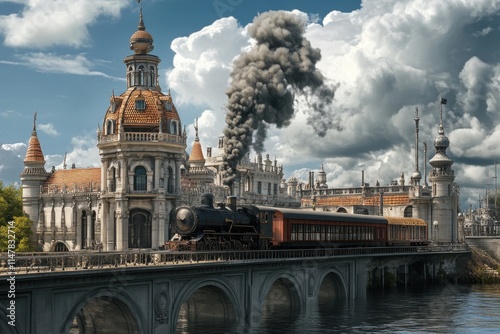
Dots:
{"x": 63, "y": 59}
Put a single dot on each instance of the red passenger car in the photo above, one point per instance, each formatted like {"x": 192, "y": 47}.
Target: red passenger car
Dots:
{"x": 294, "y": 228}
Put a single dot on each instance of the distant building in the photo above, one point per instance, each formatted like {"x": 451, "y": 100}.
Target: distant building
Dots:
{"x": 437, "y": 204}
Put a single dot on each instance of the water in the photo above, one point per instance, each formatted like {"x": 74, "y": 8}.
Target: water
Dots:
{"x": 443, "y": 309}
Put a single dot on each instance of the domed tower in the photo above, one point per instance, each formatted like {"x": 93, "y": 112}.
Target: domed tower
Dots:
{"x": 32, "y": 178}
{"x": 321, "y": 178}
{"x": 142, "y": 146}
{"x": 444, "y": 210}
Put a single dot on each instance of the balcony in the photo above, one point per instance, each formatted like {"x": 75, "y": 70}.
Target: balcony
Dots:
{"x": 154, "y": 137}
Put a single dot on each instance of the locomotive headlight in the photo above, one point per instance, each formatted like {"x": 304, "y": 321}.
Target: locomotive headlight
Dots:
{"x": 184, "y": 221}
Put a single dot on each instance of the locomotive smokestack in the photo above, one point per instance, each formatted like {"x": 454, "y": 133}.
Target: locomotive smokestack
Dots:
{"x": 231, "y": 203}
{"x": 207, "y": 200}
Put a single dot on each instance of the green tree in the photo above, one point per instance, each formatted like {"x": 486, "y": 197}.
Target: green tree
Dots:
{"x": 11, "y": 203}
{"x": 14, "y": 224}
{"x": 18, "y": 231}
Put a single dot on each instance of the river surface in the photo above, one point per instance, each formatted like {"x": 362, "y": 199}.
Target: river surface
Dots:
{"x": 439, "y": 309}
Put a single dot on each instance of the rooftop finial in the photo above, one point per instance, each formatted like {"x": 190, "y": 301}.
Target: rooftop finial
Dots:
{"x": 196, "y": 129}
{"x": 441, "y": 129}
{"x": 34, "y": 123}
{"x": 141, "y": 25}
{"x": 64, "y": 162}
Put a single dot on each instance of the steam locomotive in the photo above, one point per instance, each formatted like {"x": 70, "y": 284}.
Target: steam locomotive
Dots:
{"x": 232, "y": 227}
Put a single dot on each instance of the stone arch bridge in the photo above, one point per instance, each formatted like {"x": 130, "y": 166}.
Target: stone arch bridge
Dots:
{"x": 156, "y": 292}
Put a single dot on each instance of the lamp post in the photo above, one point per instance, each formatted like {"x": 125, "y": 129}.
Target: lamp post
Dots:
{"x": 436, "y": 230}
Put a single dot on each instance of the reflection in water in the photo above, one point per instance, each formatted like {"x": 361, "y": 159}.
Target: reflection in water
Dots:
{"x": 443, "y": 309}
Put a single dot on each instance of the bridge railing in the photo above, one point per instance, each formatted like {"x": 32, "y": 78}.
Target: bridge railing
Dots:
{"x": 26, "y": 263}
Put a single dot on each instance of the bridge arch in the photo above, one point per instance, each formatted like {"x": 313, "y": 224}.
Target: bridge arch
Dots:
{"x": 331, "y": 286}
{"x": 105, "y": 311}
{"x": 278, "y": 292}
{"x": 208, "y": 297}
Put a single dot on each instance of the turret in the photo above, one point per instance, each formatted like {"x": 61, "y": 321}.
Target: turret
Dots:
{"x": 33, "y": 176}
{"x": 444, "y": 216}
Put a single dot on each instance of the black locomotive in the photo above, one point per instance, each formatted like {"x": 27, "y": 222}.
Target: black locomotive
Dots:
{"x": 205, "y": 227}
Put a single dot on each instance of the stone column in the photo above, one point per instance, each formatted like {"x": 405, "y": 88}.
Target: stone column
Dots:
{"x": 90, "y": 223}
{"x": 104, "y": 223}
{"x": 104, "y": 179}
{"x": 157, "y": 173}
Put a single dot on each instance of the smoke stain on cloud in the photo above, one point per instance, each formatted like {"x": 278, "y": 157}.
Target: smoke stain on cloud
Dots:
{"x": 265, "y": 80}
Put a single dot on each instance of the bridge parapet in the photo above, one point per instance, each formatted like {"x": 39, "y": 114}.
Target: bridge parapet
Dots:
{"x": 28, "y": 263}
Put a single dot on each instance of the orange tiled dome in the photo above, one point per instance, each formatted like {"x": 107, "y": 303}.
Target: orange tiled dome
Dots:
{"x": 130, "y": 111}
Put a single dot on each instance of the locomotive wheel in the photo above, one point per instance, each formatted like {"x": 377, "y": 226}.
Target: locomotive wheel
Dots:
{"x": 226, "y": 245}
{"x": 200, "y": 246}
{"x": 237, "y": 245}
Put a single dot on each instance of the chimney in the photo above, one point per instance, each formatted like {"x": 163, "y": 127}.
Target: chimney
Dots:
{"x": 231, "y": 203}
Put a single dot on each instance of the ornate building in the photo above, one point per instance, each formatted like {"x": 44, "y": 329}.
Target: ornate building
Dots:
{"x": 124, "y": 203}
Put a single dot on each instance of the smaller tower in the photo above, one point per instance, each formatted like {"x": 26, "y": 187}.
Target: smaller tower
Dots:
{"x": 321, "y": 178}
{"x": 444, "y": 213}
{"x": 416, "y": 176}
{"x": 32, "y": 178}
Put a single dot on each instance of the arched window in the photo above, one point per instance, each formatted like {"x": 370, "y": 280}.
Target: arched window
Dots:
{"x": 130, "y": 76}
{"x": 139, "y": 229}
{"x": 60, "y": 247}
{"x": 110, "y": 128}
{"x": 140, "y": 179}
{"x": 141, "y": 75}
{"x": 173, "y": 127}
{"x": 112, "y": 182}
{"x": 84, "y": 229}
{"x": 408, "y": 211}
{"x": 152, "y": 76}
{"x": 248, "y": 184}
{"x": 341, "y": 210}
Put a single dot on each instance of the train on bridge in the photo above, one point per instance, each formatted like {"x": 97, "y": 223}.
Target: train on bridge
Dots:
{"x": 233, "y": 227}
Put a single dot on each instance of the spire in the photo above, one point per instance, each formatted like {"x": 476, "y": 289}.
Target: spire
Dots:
{"x": 34, "y": 152}
{"x": 141, "y": 25}
{"x": 33, "y": 133}
{"x": 416, "y": 176}
{"x": 441, "y": 143}
{"x": 196, "y": 153}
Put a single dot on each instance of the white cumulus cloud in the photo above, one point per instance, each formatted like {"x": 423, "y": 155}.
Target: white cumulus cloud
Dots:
{"x": 386, "y": 59}
{"x": 42, "y": 24}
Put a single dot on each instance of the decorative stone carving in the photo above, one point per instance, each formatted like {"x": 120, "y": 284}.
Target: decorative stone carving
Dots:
{"x": 161, "y": 307}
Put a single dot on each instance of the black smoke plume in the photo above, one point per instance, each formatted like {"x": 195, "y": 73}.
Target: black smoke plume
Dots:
{"x": 264, "y": 82}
